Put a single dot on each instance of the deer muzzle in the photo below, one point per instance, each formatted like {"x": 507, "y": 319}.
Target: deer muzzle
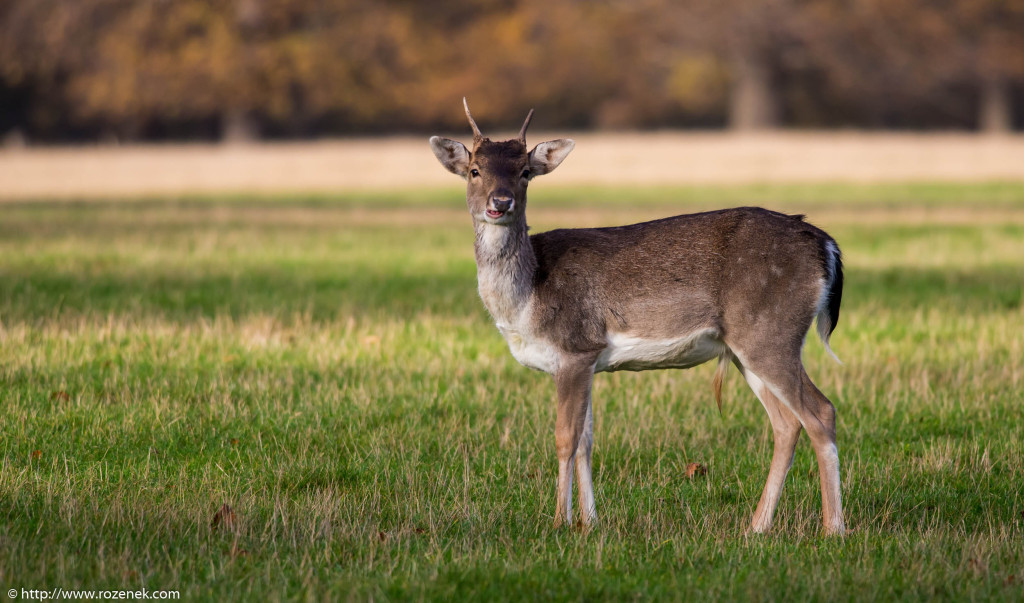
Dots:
{"x": 500, "y": 203}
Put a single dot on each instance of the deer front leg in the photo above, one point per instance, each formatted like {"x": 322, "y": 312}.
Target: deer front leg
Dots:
{"x": 572, "y": 381}
{"x": 588, "y": 510}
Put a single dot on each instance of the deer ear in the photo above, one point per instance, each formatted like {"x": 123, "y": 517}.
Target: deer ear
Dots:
{"x": 546, "y": 156}
{"x": 452, "y": 154}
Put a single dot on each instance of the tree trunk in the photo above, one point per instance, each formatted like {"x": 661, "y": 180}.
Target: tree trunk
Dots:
{"x": 753, "y": 102}
{"x": 996, "y": 107}
{"x": 238, "y": 126}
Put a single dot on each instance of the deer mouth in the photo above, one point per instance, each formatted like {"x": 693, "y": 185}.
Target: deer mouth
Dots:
{"x": 495, "y": 214}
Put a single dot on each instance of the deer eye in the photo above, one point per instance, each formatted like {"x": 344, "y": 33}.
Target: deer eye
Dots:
{"x": 474, "y": 172}
{"x": 526, "y": 174}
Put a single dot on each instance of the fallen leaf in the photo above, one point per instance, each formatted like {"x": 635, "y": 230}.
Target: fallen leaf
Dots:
{"x": 36, "y": 454}
{"x": 224, "y": 518}
{"x": 695, "y": 469}
{"x": 382, "y": 536}
{"x": 1009, "y": 580}
{"x": 420, "y": 530}
{"x": 60, "y": 396}
{"x": 233, "y": 441}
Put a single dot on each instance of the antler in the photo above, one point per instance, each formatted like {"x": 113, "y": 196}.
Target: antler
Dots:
{"x": 477, "y": 136}
{"x": 526, "y": 124}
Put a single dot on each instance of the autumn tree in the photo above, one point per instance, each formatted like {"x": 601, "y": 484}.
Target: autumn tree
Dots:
{"x": 919, "y": 53}
{"x": 246, "y": 68}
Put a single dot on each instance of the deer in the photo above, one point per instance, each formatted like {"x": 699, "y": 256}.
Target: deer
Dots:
{"x": 740, "y": 285}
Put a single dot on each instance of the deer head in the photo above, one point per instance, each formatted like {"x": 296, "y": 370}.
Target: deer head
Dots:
{"x": 497, "y": 173}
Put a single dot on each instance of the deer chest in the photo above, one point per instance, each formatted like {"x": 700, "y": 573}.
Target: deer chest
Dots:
{"x": 529, "y": 350}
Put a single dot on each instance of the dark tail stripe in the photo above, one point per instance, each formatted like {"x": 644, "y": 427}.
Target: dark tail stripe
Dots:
{"x": 835, "y": 293}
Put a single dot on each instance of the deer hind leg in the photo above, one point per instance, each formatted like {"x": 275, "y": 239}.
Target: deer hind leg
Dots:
{"x": 821, "y": 414}
{"x": 786, "y": 432}
{"x": 793, "y": 390}
{"x": 573, "y": 382}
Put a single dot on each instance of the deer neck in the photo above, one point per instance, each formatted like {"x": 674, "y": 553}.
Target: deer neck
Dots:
{"x": 505, "y": 266}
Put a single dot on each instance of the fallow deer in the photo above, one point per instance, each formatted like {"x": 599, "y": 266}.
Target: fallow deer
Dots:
{"x": 741, "y": 285}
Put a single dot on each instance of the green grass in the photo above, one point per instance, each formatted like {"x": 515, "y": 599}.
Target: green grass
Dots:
{"x": 325, "y": 367}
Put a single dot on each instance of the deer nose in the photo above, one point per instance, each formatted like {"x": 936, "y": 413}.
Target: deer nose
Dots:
{"x": 502, "y": 201}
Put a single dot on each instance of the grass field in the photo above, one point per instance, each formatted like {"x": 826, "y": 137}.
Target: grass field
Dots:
{"x": 325, "y": 367}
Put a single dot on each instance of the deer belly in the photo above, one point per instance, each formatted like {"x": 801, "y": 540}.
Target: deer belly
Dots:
{"x": 630, "y": 353}
{"x": 532, "y": 352}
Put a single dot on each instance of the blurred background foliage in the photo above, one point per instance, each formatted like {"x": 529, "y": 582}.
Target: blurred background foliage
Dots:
{"x": 246, "y": 69}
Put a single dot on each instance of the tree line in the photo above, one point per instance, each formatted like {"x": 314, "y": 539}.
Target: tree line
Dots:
{"x": 236, "y": 69}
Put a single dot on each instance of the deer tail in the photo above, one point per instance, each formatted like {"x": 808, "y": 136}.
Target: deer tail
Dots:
{"x": 831, "y": 295}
